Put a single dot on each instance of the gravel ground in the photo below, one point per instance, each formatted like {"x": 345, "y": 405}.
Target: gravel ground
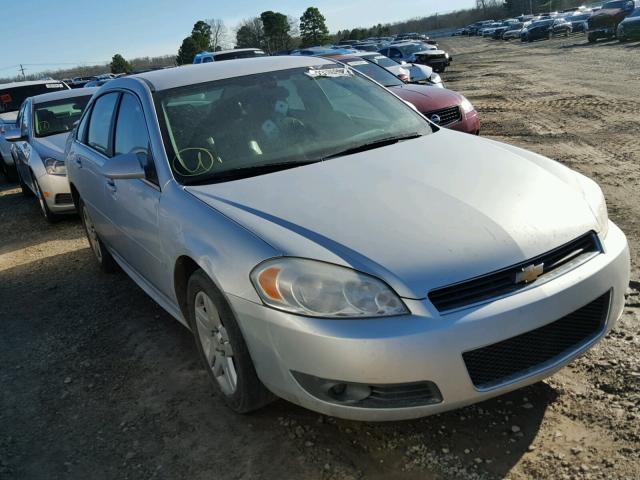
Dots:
{"x": 99, "y": 382}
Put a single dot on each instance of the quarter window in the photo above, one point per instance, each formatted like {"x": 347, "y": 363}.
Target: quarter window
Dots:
{"x": 100, "y": 123}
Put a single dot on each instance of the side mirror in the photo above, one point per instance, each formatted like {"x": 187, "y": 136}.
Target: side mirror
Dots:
{"x": 123, "y": 167}
{"x": 14, "y": 136}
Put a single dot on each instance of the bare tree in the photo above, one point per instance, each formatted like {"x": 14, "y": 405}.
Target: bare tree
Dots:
{"x": 219, "y": 38}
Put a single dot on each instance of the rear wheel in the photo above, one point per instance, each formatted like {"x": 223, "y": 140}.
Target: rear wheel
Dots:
{"x": 222, "y": 348}
{"x": 591, "y": 38}
{"x": 105, "y": 260}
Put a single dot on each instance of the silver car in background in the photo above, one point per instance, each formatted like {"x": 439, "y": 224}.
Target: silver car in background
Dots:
{"x": 43, "y": 125}
{"x": 11, "y": 97}
{"x": 326, "y": 243}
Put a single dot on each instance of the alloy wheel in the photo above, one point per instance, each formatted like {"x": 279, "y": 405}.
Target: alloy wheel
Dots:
{"x": 214, "y": 340}
{"x": 92, "y": 235}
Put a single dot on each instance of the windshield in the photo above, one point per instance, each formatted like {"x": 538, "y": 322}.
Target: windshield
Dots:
{"x": 409, "y": 49}
{"x": 382, "y": 61}
{"x": 542, "y": 23}
{"x": 58, "y": 116}
{"x": 581, "y": 16}
{"x": 379, "y": 74}
{"x": 617, "y": 4}
{"x": 12, "y": 98}
{"x": 237, "y": 55}
{"x": 636, "y": 13}
{"x": 282, "y": 118}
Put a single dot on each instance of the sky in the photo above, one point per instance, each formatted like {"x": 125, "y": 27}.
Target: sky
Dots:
{"x": 51, "y": 34}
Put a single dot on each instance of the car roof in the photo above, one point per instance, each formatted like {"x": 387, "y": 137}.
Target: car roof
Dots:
{"x": 209, "y": 72}
{"x": 27, "y": 83}
{"x": 62, "y": 94}
{"x": 234, "y": 50}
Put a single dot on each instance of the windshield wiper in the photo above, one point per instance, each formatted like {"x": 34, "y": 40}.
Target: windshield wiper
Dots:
{"x": 383, "y": 142}
{"x": 245, "y": 172}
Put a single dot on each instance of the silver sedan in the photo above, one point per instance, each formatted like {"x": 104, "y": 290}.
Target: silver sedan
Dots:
{"x": 327, "y": 244}
{"x": 43, "y": 125}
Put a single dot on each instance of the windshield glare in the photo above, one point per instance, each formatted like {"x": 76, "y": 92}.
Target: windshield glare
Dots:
{"x": 292, "y": 116}
{"x": 12, "y": 98}
{"x": 52, "y": 118}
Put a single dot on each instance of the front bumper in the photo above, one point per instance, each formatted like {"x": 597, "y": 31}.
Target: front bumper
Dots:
{"x": 426, "y": 345}
{"x": 57, "y": 193}
{"x": 470, "y": 123}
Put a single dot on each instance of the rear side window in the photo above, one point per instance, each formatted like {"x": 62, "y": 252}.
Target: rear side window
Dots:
{"x": 100, "y": 122}
{"x": 132, "y": 135}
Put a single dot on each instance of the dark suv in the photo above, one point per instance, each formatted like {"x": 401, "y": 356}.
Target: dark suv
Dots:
{"x": 604, "y": 22}
{"x": 545, "y": 29}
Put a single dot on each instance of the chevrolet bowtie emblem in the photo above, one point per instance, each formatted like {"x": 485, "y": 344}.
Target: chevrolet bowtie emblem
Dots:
{"x": 530, "y": 273}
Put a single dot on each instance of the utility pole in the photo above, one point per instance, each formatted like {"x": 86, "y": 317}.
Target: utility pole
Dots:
{"x": 22, "y": 71}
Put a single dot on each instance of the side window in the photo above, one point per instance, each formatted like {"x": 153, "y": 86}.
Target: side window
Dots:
{"x": 132, "y": 135}
{"x": 207, "y": 60}
{"x": 100, "y": 122}
{"x": 21, "y": 121}
{"x": 81, "y": 133}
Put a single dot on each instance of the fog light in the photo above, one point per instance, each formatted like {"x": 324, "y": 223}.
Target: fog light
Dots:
{"x": 399, "y": 395}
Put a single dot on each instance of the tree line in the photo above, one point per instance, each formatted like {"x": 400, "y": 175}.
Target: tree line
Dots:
{"x": 271, "y": 31}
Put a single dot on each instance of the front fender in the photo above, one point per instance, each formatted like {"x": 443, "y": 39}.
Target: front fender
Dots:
{"x": 224, "y": 249}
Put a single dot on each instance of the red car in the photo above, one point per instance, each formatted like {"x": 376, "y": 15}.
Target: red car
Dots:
{"x": 443, "y": 107}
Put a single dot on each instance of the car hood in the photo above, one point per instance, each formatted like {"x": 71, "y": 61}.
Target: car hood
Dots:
{"x": 8, "y": 117}
{"x": 425, "y": 98}
{"x": 51, "y": 146}
{"x": 606, "y": 16}
{"x": 419, "y": 214}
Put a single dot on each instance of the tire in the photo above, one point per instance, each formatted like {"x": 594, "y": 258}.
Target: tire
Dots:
{"x": 26, "y": 191}
{"x": 221, "y": 347}
{"x": 592, "y": 38}
{"x": 104, "y": 258}
{"x": 48, "y": 215}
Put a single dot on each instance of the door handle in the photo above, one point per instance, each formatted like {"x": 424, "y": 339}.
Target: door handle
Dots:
{"x": 78, "y": 162}
{"x": 111, "y": 185}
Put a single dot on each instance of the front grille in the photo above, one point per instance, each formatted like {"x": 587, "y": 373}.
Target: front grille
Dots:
{"x": 503, "y": 282}
{"x": 63, "y": 198}
{"x": 447, "y": 115}
{"x": 522, "y": 355}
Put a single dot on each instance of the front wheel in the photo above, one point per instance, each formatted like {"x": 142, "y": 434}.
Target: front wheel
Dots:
{"x": 48, "y": 215}
{"x": 105, "y": 260}
{"x": 222, "y": 348}
{"x": 591, "y": 38}
{"x": 26, "y": 191}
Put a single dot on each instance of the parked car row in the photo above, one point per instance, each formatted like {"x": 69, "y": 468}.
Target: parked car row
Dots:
{"x": 616, "y": 18}
{"x": 324, "y": 240}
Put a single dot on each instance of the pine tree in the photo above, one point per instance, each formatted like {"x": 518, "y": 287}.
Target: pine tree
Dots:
{"x": 313, "y": 28}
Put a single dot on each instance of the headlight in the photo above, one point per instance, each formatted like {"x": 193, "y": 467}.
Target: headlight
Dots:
{"x": 466, "y": 106}
{"x": 596, "y": 201}
{"x": 55, "y": 167}
{"x": 317, "y": 289}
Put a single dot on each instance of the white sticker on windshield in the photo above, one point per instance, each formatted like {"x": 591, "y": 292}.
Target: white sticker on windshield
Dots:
{"x": 357, "y": 62}
{"x": 379, "y": 57}
{"x": 329, "y": 72}
{"x": 53, "y": 85}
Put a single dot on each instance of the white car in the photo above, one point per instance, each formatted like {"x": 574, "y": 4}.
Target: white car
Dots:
{"x": 11, "y": 97}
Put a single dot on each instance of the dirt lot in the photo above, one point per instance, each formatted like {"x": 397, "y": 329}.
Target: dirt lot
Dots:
{"x": 96, "y": 381}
